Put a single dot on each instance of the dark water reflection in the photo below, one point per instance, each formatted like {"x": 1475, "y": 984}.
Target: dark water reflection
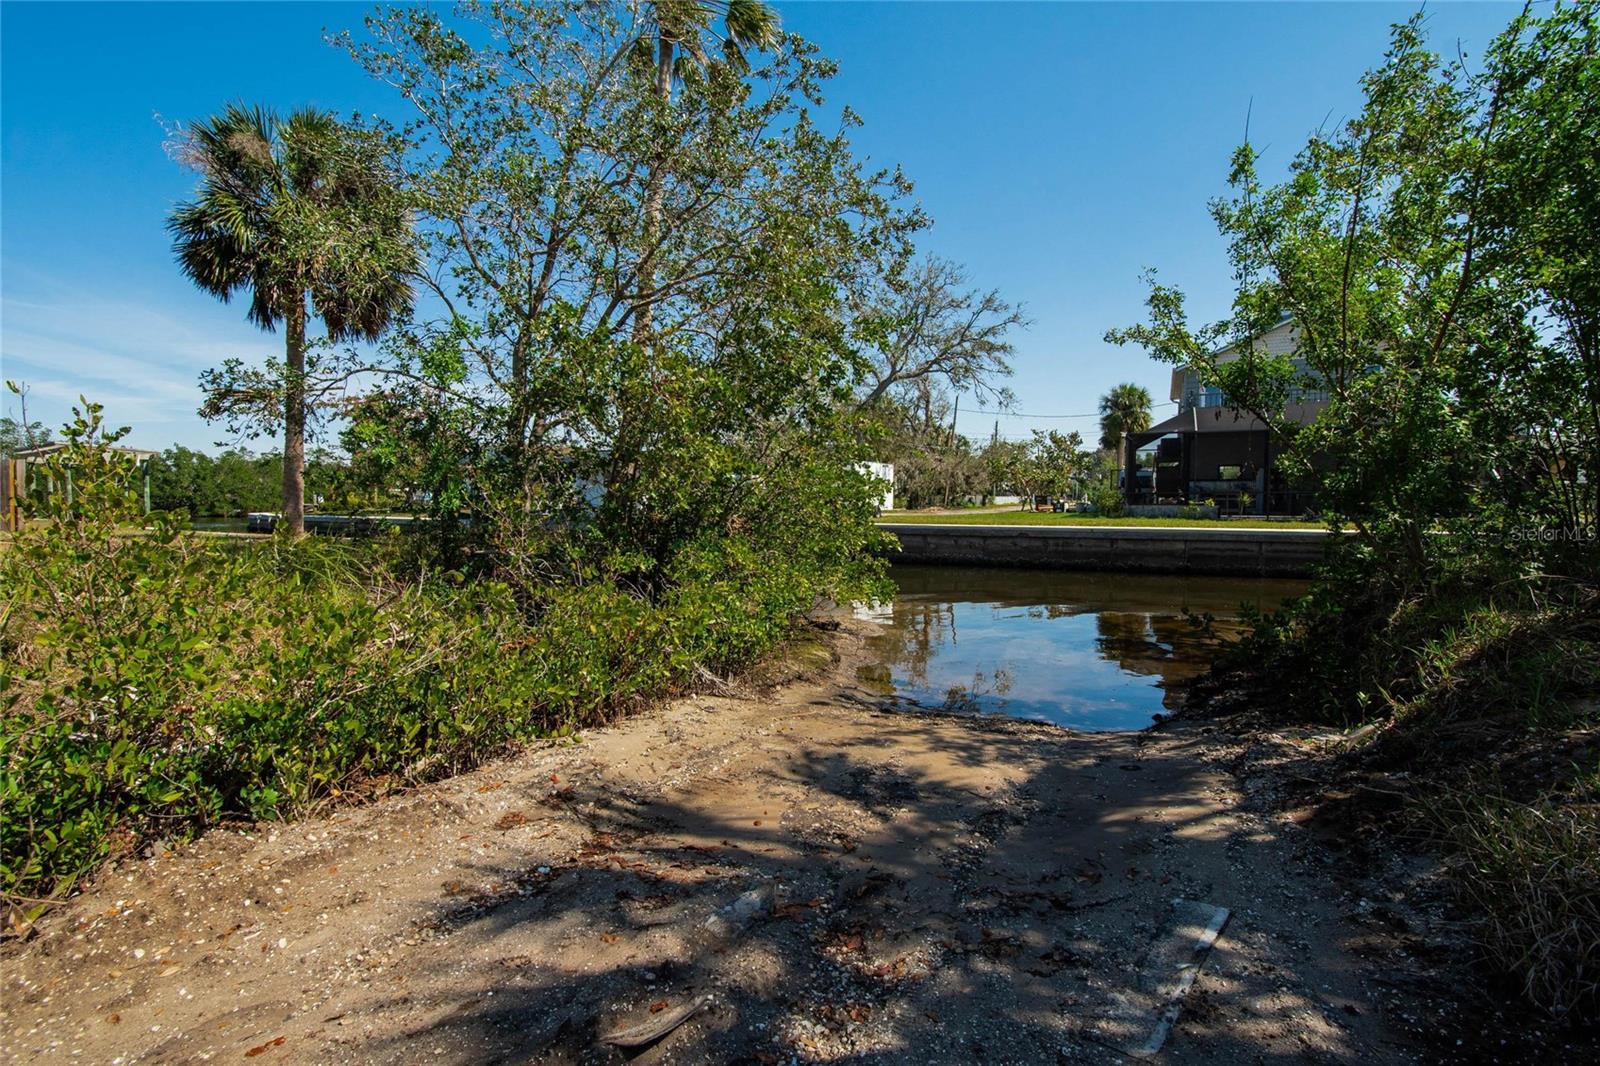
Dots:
{"x": 1089, "y": 651}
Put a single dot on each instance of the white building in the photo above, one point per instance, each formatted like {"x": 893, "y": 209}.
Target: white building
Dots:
{"x": 884, "y": 473}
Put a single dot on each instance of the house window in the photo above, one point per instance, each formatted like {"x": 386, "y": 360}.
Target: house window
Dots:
{"x": 1228, "y": 473}
{"x": 1309, "y": 386}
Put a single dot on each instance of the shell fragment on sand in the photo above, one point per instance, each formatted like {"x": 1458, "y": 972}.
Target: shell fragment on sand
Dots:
{"x": 730, "y": 922}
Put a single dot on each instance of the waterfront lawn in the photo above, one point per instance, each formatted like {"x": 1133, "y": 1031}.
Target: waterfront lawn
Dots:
{"x": 1046, "y": 518}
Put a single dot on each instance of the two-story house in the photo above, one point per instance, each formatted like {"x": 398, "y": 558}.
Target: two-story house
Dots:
{"x": 1210, "y": 450}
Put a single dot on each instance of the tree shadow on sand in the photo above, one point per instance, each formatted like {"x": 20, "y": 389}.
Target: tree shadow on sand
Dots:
{"x": 920, "y": 914}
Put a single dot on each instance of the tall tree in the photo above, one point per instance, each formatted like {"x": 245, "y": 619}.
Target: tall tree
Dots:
{"x": 1123, "y": 410}
{"x": 931, "y": 329}
{"x": 1437, "y": 253}
{"x": 293, "y": 210}
{"x": 556, "y": 176}
{"x": 539, "y": 128}
{"x": 675, "y": 35}
{"x": 927, "y": 337}
{"x": 1055, "y": 459}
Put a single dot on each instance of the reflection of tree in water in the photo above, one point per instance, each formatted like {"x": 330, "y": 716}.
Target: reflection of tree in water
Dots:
{"x": 918, "y": 630}
{"x": 1127, "y": 637}
{"x": 1146, "y": 643}
{"x": 969, "y": 698}
{"x": 1157, "y": 645}
{"x": 1057, "y": 610}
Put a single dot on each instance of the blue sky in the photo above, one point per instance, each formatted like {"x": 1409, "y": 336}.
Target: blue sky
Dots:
{"x": 1061, "y": 149}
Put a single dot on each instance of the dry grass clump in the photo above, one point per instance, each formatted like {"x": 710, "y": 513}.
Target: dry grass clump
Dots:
{"x": 1531, "y": 872}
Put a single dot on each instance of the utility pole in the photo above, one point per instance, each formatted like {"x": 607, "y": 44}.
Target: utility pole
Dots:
{"x": 994, "y": 482}
{"x": 952, "y": 446}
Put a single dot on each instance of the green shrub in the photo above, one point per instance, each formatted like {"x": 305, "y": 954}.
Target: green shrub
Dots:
{"x": 1108, "y": 500}
{"x": 155, "y": 681}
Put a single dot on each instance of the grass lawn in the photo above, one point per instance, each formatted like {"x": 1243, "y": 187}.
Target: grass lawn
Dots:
{"x": 1035, "y": 518}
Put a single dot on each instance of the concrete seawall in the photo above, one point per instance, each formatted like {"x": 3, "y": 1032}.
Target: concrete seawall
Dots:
{"x": 1142, "y": 549}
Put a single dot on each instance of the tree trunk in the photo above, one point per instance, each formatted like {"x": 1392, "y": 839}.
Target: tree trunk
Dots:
{"x": 655, "y": 193}
{"x": 294, "y": 419}
{"x": 517, "y": 420}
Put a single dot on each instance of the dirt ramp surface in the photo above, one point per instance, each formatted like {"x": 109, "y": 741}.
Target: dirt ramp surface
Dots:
{"x": 931, "y": 889}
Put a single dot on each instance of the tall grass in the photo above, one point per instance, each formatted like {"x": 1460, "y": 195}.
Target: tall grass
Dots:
{"x": 1531, "y": 872}
{"x": 1485, "y": 684}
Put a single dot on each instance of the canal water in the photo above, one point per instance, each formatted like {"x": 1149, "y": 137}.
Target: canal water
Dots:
{"x": 1084, "y": 650}
{"x": 213, "y": 524}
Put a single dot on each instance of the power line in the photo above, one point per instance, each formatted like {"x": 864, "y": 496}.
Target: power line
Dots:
{"x": 1009, "y": 437}
{"x": 1092, "y": 414}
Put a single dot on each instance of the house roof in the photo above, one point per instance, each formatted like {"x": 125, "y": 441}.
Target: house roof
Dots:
{"x": 1222, "y": 420}
{"x": 1202, "y": 420}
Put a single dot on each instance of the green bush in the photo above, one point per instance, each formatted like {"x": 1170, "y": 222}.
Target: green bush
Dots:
{"x": 1107, "y": 499}
{"x": 155, "y": 681}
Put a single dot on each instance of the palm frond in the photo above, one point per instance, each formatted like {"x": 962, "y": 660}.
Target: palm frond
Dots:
{"x": 296, "y": 207}
{"x": 751, "y": 24}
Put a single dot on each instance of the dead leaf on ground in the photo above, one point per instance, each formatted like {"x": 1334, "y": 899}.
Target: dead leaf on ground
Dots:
{"x": 262, "y": 1049}
{"x": 19, "y": 924}
{"x": 511, "y": 820}
{"x": 658, "y": 1006}
{"x": 789, "y": 910}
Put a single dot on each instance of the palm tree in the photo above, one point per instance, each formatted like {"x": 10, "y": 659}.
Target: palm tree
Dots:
{"x": 295, "y": 209}
{"x": 1123, "y": 410}
{"x": 678, "y": 31}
